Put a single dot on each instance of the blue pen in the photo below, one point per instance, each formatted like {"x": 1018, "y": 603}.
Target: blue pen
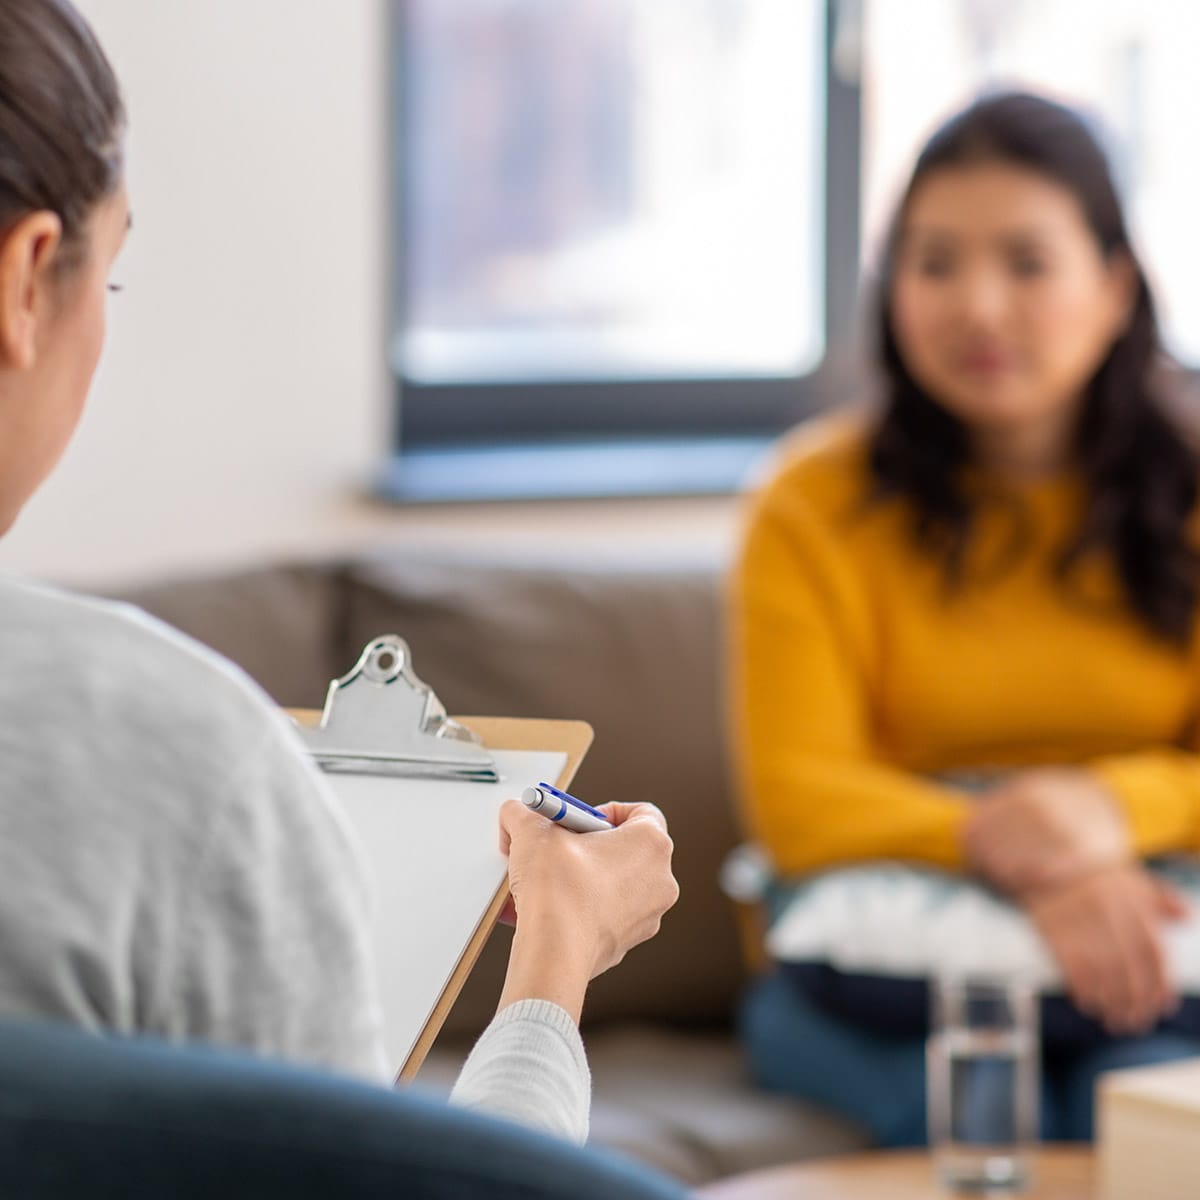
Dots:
{"x": 569, "y": 812}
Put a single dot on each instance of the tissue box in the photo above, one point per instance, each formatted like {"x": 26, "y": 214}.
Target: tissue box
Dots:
{"x": 1148, "y": 1132}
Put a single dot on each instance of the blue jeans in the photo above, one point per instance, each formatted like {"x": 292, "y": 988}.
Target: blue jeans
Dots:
{"x": 878, "y": 1080}
{"x": 82, "y": 1115}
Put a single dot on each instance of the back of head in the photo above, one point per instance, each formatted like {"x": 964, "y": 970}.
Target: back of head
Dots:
{"x": 61, "y": 116}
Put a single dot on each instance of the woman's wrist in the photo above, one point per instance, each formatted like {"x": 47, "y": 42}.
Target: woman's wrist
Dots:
{"x": 548, "y": 961}
{"x": 1044, "y": 828}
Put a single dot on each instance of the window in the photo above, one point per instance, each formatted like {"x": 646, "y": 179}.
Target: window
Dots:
{"x": 612, "y": 216}
{"x": 1130, "y": 62}
{"x": 642, "y": 218}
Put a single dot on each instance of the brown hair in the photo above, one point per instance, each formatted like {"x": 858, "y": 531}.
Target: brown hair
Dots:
{"x": 61, "y": 117}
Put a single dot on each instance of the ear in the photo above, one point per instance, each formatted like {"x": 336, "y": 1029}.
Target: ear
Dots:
{"x": 27, "y": 255}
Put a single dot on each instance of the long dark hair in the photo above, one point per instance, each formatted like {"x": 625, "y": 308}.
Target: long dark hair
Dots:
{"x": 1141, "y": 474}
{"x": 61, "y": 118}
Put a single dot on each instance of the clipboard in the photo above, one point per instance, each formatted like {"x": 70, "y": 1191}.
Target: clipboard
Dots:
{"x": 420, "y": 790}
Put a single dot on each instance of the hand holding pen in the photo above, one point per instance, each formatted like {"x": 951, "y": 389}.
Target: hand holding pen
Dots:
{"x": 581, "y": 903}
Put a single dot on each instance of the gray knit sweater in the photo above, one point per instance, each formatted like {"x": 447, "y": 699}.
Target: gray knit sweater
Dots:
{"x": 172, "y": 863}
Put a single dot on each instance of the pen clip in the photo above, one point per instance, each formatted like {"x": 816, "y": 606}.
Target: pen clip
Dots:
{"x": 573, "y": 801}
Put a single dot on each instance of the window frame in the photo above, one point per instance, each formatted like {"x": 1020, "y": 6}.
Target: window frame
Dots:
{"x": 439, "y": 416}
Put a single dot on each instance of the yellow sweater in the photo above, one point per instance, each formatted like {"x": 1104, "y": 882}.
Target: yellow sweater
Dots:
{"x": 857, "y": 678}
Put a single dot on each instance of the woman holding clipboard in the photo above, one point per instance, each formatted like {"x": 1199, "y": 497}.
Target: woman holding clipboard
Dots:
{"x": 170, "y": 860}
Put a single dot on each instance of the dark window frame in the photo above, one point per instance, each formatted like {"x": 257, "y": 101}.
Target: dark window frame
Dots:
{"x": 440, "y": 417}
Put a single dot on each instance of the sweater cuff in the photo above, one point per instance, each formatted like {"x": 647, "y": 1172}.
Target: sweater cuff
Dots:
{"x": 529, "y": 1066}
{"x": 1157, "y": 791}
{"x": 941, "y": 841}
{"x": 550, "y": 1016}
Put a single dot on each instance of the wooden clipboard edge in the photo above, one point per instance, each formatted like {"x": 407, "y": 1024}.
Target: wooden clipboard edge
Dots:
{"x": 572, "y": 738}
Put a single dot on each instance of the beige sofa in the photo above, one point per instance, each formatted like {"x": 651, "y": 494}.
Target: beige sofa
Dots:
{"x": 634, "y": 650}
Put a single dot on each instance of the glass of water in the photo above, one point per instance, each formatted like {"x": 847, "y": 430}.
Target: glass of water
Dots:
{"x": 982, "y": 1083}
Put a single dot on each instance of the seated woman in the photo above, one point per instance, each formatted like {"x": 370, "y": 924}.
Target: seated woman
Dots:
{"x": 994, "y": 575}
{"x": 170, "y": 860}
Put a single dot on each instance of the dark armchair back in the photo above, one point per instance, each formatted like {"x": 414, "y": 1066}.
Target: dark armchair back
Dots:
{"x": 82, "y": 1115}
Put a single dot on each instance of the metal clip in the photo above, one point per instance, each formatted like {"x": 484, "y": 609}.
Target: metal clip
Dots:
{"x": 380, "y": 719}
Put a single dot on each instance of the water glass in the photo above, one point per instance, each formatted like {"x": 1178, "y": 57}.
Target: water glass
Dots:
{"x": 982, "y": 1082}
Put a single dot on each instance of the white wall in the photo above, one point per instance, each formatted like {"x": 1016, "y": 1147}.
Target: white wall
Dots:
{"x": 243, "y": 395}
{"x": 243, "y": 402}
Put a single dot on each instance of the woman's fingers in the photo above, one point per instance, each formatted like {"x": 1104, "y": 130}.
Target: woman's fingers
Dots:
{"x": 610, "y": 888}
{"x": 620, "y": 813}
{"x": 1105, "y": 934}
{"x": 1136, "y": 976}
{"x": 514, "y": 817}
{"x": 1066, "y": 933}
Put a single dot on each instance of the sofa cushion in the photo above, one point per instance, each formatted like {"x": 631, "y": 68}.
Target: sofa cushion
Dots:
{"x": 278, "y": 624}
{"x": 634, "y": 651}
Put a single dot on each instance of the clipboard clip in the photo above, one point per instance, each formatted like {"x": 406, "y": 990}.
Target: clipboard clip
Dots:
{"x": 380, "y": 719}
